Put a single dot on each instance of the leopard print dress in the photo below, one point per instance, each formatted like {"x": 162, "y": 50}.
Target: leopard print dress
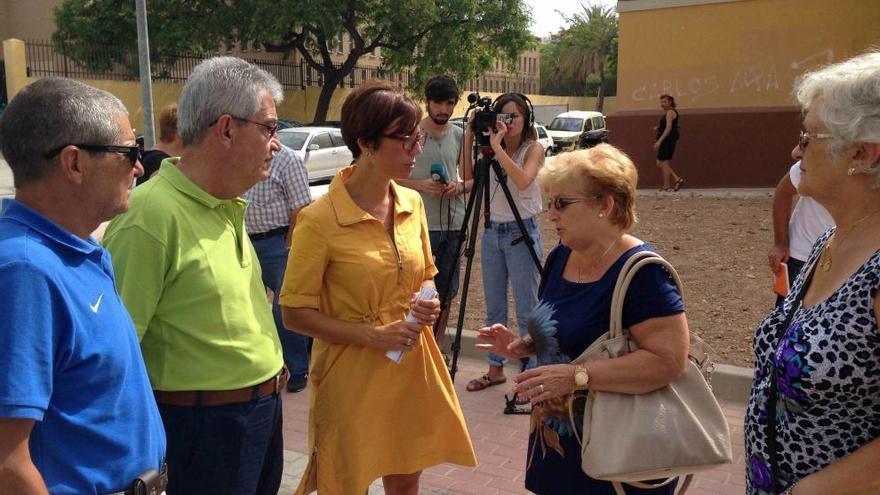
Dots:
{"x": 827, "y": 370}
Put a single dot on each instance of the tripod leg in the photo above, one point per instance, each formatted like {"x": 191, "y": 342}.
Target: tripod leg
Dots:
{"x": 471, "y": 218}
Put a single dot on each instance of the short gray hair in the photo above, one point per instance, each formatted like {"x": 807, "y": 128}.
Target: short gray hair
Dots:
{"x": 222, "y": 85}
{"x": 850, "y": 93}
{"x": 51, "y": 113}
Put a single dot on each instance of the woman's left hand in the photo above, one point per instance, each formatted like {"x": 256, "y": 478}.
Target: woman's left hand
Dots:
{"x": 425, "y": 311}
{"x": 656, "y": 145}
{"x": 545, "y": 382}
{"x": 497, "y": 134}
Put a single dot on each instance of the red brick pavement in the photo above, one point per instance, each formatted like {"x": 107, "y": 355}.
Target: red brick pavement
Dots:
{"x": 500, "y": 442}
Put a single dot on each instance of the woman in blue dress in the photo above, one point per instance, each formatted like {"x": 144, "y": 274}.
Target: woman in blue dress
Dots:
{"x": 591, "y": 202}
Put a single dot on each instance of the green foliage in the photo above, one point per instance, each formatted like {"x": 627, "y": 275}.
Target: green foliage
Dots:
{"x": 582, "y": 60}
{"x": 459, "y": 37}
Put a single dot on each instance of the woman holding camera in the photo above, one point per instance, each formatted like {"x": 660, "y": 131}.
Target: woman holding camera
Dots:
{"x": 504, "y": 260}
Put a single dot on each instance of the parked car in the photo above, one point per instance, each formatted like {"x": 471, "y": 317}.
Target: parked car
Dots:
{"x": 288, "y": 123}
{"x": 545, "y": 139}
{"x": 577, "y": 129}
{"x": 321, "y": 149}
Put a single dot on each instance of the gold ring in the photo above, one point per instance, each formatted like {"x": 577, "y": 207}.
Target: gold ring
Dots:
{"x": 541, "y": 388}
{"x": 409, "y": 342}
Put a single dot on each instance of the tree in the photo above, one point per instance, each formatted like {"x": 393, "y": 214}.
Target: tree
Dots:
{"x": 595, "y": 31}
{"x": 460, "y": 37}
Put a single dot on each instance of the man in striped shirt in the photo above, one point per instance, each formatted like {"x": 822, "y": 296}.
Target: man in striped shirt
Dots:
{"x": 269, "y": 219}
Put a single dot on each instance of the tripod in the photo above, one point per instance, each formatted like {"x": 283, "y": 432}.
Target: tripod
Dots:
{"x": 481, "y": 195}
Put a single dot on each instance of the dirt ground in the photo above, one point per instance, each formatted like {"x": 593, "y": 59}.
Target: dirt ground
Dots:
{"x": 718, "y": 245}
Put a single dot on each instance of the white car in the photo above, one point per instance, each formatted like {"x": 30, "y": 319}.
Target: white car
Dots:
{"x": 545, "y": 139}
{"x": 321, "y": 149}
{"x": 577, "y": 129}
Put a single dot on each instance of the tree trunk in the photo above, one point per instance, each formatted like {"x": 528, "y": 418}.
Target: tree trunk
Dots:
{"x": 331, "y": 81}
{"x": 600, "y": 94}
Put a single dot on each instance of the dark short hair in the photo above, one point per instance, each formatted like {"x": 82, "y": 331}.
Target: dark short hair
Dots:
{"x": 441, "y": 88}
{"x": 168, "y": 123}
{"x": 524, "y": 109}
{"x": 670, "y": 98}
{"x": 54, "y": 112}
{"x": 376, "y": 109}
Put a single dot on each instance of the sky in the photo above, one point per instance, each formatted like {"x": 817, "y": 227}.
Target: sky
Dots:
{"x": 546, "y": 19}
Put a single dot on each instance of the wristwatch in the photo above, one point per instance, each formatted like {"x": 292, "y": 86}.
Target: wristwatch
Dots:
{"x": 581, "y": 376}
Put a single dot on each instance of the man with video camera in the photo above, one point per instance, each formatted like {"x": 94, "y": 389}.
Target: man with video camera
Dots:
{"x": 437, "y": 178}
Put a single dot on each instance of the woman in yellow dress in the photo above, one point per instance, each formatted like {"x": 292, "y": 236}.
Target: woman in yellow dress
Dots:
{"x": 358, "y": 256}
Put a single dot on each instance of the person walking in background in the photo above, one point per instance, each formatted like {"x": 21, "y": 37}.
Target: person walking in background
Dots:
{"x": 169, "y": 143}
{"x": 358, "y": 255}
{"x": 667, "y": 136}
{"x": 192, "y": 282}
{"x": 77, "y": 414}
{"x": 592, "y": 205}
{"x": 796, "y": 225}
{"x": 505, "y": 260}
{"x": 443, "y": 195}
{"x": 812, "y": 423}
{"x": 270, "y": 218}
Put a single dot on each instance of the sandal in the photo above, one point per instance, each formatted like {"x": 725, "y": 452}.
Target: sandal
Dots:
{"x": 663, "y": 189}
{"x": 482, "y": 382}
{"x": 678, "y": 184}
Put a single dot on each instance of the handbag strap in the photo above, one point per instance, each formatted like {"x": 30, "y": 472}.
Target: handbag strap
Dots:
{"x": 627, "y": 273}
{"x": 770, "y": 433}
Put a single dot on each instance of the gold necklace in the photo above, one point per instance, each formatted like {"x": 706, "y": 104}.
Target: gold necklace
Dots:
{"x": 598, "y": 260}
{"x": 825, "y": 259}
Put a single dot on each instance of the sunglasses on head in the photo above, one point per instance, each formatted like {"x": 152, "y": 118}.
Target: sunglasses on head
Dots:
{"x": 133, "y": 153}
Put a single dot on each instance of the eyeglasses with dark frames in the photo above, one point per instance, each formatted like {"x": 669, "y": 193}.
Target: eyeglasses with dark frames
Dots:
{"x": 133, "y": 153}
{"x": 805, "y": 138}
{"x": 273, "y": 129}
{"x": 560, "y": 203}
{"x": 409, "y": 142}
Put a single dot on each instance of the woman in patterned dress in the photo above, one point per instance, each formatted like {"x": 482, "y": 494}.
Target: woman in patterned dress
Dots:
{"x": 821, "y": 372}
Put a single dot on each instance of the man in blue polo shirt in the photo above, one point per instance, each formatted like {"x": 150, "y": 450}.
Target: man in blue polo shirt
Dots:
{"x": 77, "y": 414}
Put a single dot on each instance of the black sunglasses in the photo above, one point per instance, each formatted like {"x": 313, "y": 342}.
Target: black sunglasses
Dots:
{"x": 560, "y": 203}
{"x": 133, "y": 153}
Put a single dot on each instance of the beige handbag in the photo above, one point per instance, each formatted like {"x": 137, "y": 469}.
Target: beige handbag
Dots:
{"x": 674, "y": 431}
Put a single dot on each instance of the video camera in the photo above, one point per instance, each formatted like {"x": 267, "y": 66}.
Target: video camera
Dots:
{"x": 485, "y": 117}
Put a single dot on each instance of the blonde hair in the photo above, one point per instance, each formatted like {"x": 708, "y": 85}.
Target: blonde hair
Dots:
{"x": 600, "y": 171}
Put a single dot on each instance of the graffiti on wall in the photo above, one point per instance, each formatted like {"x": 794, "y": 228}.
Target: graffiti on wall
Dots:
{"x": 756, "y": 78}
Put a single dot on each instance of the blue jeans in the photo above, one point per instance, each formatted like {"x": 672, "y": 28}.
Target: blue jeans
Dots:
{"x": 234, "y": 449}
{"x": 272, "y": 253}
{"x": 502, "y": 262}
{"x": 446, "y": 259}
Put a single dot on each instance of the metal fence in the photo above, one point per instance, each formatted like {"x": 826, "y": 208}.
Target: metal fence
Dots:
{"x": 115, "y": 63}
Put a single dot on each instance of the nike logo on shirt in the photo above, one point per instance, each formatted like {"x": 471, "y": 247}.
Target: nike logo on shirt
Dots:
{"x": 97, "y": 304}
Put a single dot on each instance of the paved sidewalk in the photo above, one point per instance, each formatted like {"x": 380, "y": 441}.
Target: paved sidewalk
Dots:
{"x": 500, "y": 442}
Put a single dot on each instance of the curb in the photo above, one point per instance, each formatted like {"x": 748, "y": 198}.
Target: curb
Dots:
{"x": 729, "y": 383}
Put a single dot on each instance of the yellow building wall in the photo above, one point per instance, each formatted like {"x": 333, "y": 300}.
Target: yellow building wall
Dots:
{"x": 738, "y": 54}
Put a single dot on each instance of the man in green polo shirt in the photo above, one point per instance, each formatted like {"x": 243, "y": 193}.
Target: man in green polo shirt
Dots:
{"x": 189, "y": 276}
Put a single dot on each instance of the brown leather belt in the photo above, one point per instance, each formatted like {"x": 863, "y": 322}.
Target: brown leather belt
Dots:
{"x": 271, "y": 386}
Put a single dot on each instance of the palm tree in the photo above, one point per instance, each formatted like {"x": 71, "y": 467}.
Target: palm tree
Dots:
{"x": 594, "y": 32}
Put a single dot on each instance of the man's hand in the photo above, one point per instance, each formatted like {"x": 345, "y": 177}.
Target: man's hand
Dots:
{"x": 777, "y": 256}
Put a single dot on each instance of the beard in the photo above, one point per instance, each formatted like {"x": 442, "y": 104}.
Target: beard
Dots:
{"x": 441, "y": 120}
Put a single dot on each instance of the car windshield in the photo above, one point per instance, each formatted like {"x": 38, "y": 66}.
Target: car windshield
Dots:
{"x": 294, "y": 140}
{"x": 568, "y": 124}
